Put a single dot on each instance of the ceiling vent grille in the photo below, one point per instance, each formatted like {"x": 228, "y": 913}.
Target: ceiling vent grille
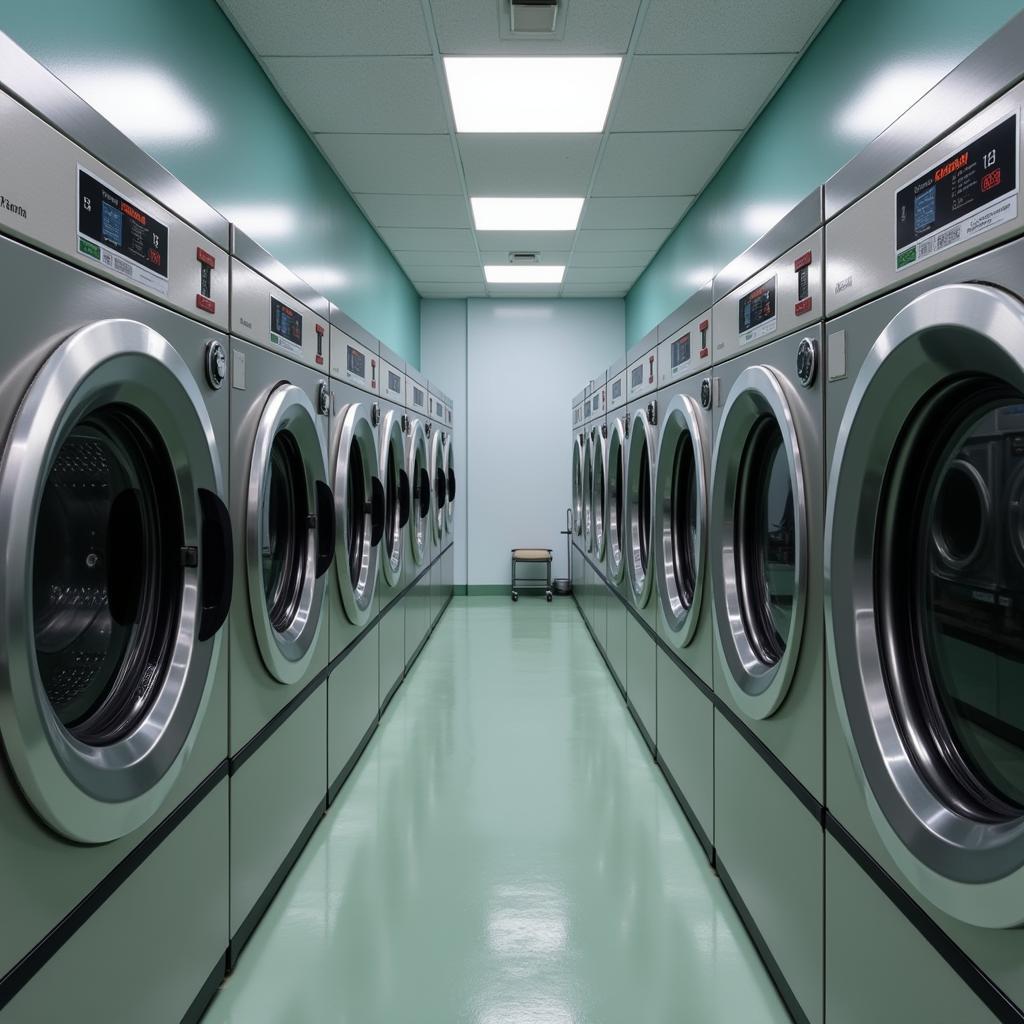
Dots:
{"x": 518, "y": 258}
{"x": 534, "y": 16}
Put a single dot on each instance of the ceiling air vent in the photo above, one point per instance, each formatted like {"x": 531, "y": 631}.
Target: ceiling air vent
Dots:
{"x": 534, "y": 16}
{"x": 516, "y": 258}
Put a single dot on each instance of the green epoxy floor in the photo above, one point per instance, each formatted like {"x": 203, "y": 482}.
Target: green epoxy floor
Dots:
{"x": 505, "y": 852}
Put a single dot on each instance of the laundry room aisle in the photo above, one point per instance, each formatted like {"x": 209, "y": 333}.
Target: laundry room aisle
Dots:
{"x": 506, "y": 852}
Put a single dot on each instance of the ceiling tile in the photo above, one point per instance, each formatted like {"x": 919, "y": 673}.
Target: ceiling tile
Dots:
{"x": 454, "y": 240}
{"x": 319, "y": 27}
{"x": 545, "y": 257}
{"x": 635, "y": 212}
{"x": 415, "y": 211}
{"x": 621, "y": 258}
{"x": 739, "y": 26}
{"x": 593, "y": 291}
{"x": 660, "y": 163}
{"x": 361, "y": 94}
{"x": 524, "y": 241}
{"x": 528, "y": 165}
{"x": 431, "y": 290}
{"x": 406, "y": 164}
{"x": 584, "y": 27}
{"x": 635, "y": 240}
{"x": 662, "y": 94}
{"x": 621, "y": 277}
{"x": 411, "y": 259}
{"x": 449, "y": 275}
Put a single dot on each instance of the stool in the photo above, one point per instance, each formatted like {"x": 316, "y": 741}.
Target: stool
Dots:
{"x": 532, "y": 556}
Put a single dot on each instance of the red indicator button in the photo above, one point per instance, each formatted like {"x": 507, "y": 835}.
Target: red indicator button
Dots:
{"x": 803, "y": 306}
{"x": 803, "y": 261}
{"x": 704, "y": 325}
{"x": 204, "y": 257}
{"x": 205, "y": 304}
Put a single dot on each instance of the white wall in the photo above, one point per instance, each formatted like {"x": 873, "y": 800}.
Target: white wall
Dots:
{"x": 523, "y": 360}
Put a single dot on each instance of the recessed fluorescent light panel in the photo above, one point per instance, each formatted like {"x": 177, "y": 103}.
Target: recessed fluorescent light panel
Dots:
{"x": 526, "y": 214}
{"x": 531, "y": 94}
{"x": 499, "y": 274}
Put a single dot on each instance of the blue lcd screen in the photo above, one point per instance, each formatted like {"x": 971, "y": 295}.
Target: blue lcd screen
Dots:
{"x": 924, "y": 210}
{"x": 113, "y": 221}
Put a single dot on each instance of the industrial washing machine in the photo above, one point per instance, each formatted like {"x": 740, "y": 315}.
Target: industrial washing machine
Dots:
{"x": 353, "y": 697}
{"x": 640, "y": 557}
{"x": 766, "y": 576}
{"x": 283, "y": 508}
{"x": 585, "y": 596}
{"x": 417, "y": 467}
{"x": 599, "y": 494}
{"x": 924, "y": 620}
{"x": 617, "y": 588}
{"x": 576, "y": 508}
{"x": 680, "y": 545}
{"x": 448, "y": 559}
{"x": 391, "y": 438}
{"x": 439, "y": 481}
{"x": 117, "y": 573}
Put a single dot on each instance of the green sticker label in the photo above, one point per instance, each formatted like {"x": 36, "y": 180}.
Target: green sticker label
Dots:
{"x": 89, "y": 248}
{"x": 907, "y": 256}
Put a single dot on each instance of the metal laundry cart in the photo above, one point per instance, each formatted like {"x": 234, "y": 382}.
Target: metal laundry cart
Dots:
{"x": 531, "y": 556}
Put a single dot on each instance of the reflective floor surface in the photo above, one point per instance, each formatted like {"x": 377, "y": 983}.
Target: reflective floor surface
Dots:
{"x": 506, "y": 852}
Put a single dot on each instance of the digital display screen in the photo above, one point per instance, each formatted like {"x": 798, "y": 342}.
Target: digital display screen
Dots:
{"x": 394, "y": 382}
{"x": 972, "y": 190}
{"x": 616, "y": 390}
{"x": 284, "y": 321}
{"x": 586, "y": 408}
{"x": 757, "y": 307}
{"x": 636, "y": 376}
{"x": 680, "y": 351}
{"x": 417, "y": 396}
{"x": 356, "y": 362}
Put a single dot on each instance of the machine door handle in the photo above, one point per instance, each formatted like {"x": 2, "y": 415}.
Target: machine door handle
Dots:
{"x": 325, "y": 528}
{"x": 377, "y": 511}
{"x": 217, "y": 563}
{"x": 404, "y": 498}
{"x": 451, "y": 484}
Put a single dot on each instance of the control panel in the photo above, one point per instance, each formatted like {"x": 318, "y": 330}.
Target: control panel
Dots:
{"x": 958, "y": 197}
{"x": 642, "y": 376}
{"x": 685, "y": 352}
{"x": 392, "y": 383}
{"x": 416, "y": 396}
{"x": 56, "y": 196}
{"x": 779, "y": 299}
{"x": 616, "y": 390}
{"x": 577, "y": 416}
{"x": 354, "y": 363}
{"x": 598, "y": 398}
{"x": 263, "y": 314}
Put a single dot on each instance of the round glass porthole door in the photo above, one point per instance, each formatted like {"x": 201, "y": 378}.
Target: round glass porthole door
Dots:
{"x": 759, "y": 540}
{"x": 396, "y": 496}
{"x": 416, "y": 468}
{"x": 680, "y": 525}
{"x": 588, "y": 495}
{"x": 640, "y": 506}
{"x": 615, "y": 500}
{"x": 926, "y": 670}
{"x": 577, "y": 483}
{"x": 359, "y": 509}
{"x": 117, "y": 555}
{"x": 289, "y": 532}
{"x": 449, "y": 473}
{"x": 598, "y": 491}
{"x": 440, "y": 485}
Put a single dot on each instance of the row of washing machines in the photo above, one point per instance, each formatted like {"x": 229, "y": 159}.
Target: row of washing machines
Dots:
{"x": 226, "y": 518}
{"x": 799, "y": 545}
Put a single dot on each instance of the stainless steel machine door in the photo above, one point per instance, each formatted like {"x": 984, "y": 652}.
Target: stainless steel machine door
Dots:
{"x": 615, "y": 499}
{"x": 440, "y": 484}
{"x": 359, "y": 510}
{"x": 759, "y": 539}
{"x": 449, "y": 475}
{"x": 417, "y": 469}
{"x": 577, "y": 483}
{"x": 588, "y": 495}
{"x": 117, "y": 577}
{"x": 396, "y": 495}
{"x": 289, "y": 532}
{"x": 928, "y": 672}
{"x": 640, "y": 506}
{"x": 598, "y": 491}
{"x": 680, "y": 518}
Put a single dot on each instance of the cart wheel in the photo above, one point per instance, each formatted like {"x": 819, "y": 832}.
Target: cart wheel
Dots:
{"x": 515, "y": 595}
{"x": 548, "y": 595}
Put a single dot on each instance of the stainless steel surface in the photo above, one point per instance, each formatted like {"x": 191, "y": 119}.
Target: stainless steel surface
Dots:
{"x": 806, "y": 217}
{"x": 615, "y": 499}
{"x": 340, "y": 319}
{"x": 588, "y": 491}
{"x": 698, "y": 303}
{"x": 39, "y": 90}
{"x": 252, "y": 254}
{"x": 439, "y": 485}
{"x": 287, "y": 650}
{"x": 643, "y": 346}
{"x": 417, "y": 468}
{"x": 639, "y": 506}
{"x": 988, "y": 71}
{"x": 599, "y": 460}
{"x": 578, "y": 455}
{"x": 88, "y": 792}
{"x": 392, "y": 463}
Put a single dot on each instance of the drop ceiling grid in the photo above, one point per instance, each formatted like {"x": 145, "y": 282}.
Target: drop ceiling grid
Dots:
{"x": 366, "y": 80}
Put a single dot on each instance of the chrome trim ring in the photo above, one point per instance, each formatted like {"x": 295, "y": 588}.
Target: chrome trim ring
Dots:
{"x": 681, "y": 425}
{"x": 969, "y": 867}
{"x": 288, "y": 652}
{"x": 640, "y": 569}
{"x": 94, "y": 794}
{"x": 577, "y": 484}
{"x": 758, "y": 688}
{"x": 449, "y": 511}
{"x": 599, "y": 491}
{"x": 615, "y": 499}
{"x": 949, "y": 558}
{"x": 416, "y": 461}
{"x": 436, "y": 467}
{"x": 588, "y": 496}
{"x": 358, "y": 587}
{"x": 393, "y": 443}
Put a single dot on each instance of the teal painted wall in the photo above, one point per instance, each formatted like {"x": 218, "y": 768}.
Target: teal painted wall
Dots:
{"x": 871, "y": 61}
{"x": 233, "y": 141}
